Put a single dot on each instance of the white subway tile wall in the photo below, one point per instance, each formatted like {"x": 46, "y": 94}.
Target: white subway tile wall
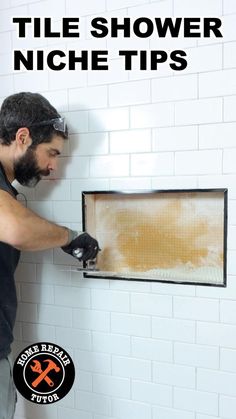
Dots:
{"x": 141, "y": 350}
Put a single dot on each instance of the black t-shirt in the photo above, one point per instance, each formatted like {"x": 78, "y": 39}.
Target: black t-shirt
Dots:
{"x": 9, "y": 258}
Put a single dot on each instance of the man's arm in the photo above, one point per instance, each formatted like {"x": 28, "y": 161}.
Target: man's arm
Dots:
{"x": 23, "y": 229}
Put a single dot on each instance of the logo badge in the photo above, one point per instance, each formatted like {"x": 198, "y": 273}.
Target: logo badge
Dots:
{"x": 43, "y": 373}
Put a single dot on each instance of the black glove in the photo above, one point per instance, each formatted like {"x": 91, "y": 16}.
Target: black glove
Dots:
{"x": 88, "y": 245}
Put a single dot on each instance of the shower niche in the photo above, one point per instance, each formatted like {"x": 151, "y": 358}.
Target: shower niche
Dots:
{"x": 174, "y": 236}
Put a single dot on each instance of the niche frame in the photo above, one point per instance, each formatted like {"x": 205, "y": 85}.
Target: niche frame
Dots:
{"x": 134, "y": 193}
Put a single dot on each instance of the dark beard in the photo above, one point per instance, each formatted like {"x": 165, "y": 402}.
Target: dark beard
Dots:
{"x": 27, "y": 171}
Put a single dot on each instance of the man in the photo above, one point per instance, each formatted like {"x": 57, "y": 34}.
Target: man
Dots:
{"x": 32, "y": 134}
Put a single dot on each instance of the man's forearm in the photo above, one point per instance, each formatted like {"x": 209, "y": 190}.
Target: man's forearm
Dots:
{"x": 40, "y": 234}
{"x": 23, "y": 229}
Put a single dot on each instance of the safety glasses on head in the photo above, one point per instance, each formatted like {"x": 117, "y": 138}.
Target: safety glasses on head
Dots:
{"x": 59, "y": 124}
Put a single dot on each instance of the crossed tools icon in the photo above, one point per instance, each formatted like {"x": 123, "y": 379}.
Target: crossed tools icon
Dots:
{"x": 37, "y": 367}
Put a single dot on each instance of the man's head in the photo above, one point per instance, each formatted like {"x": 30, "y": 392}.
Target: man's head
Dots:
{"x": 31, "y": 126}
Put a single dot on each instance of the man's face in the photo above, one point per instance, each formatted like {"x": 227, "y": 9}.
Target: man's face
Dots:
{"x": 38, "y": 162}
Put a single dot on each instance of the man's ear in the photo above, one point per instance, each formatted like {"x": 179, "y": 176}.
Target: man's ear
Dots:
{"x": 23, "y": 137}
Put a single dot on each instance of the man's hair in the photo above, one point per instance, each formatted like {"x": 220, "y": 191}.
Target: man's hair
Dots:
{"x": 23, "y": 110}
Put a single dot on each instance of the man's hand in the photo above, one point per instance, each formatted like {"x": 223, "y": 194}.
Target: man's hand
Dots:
{"x": 86, "y": 243}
